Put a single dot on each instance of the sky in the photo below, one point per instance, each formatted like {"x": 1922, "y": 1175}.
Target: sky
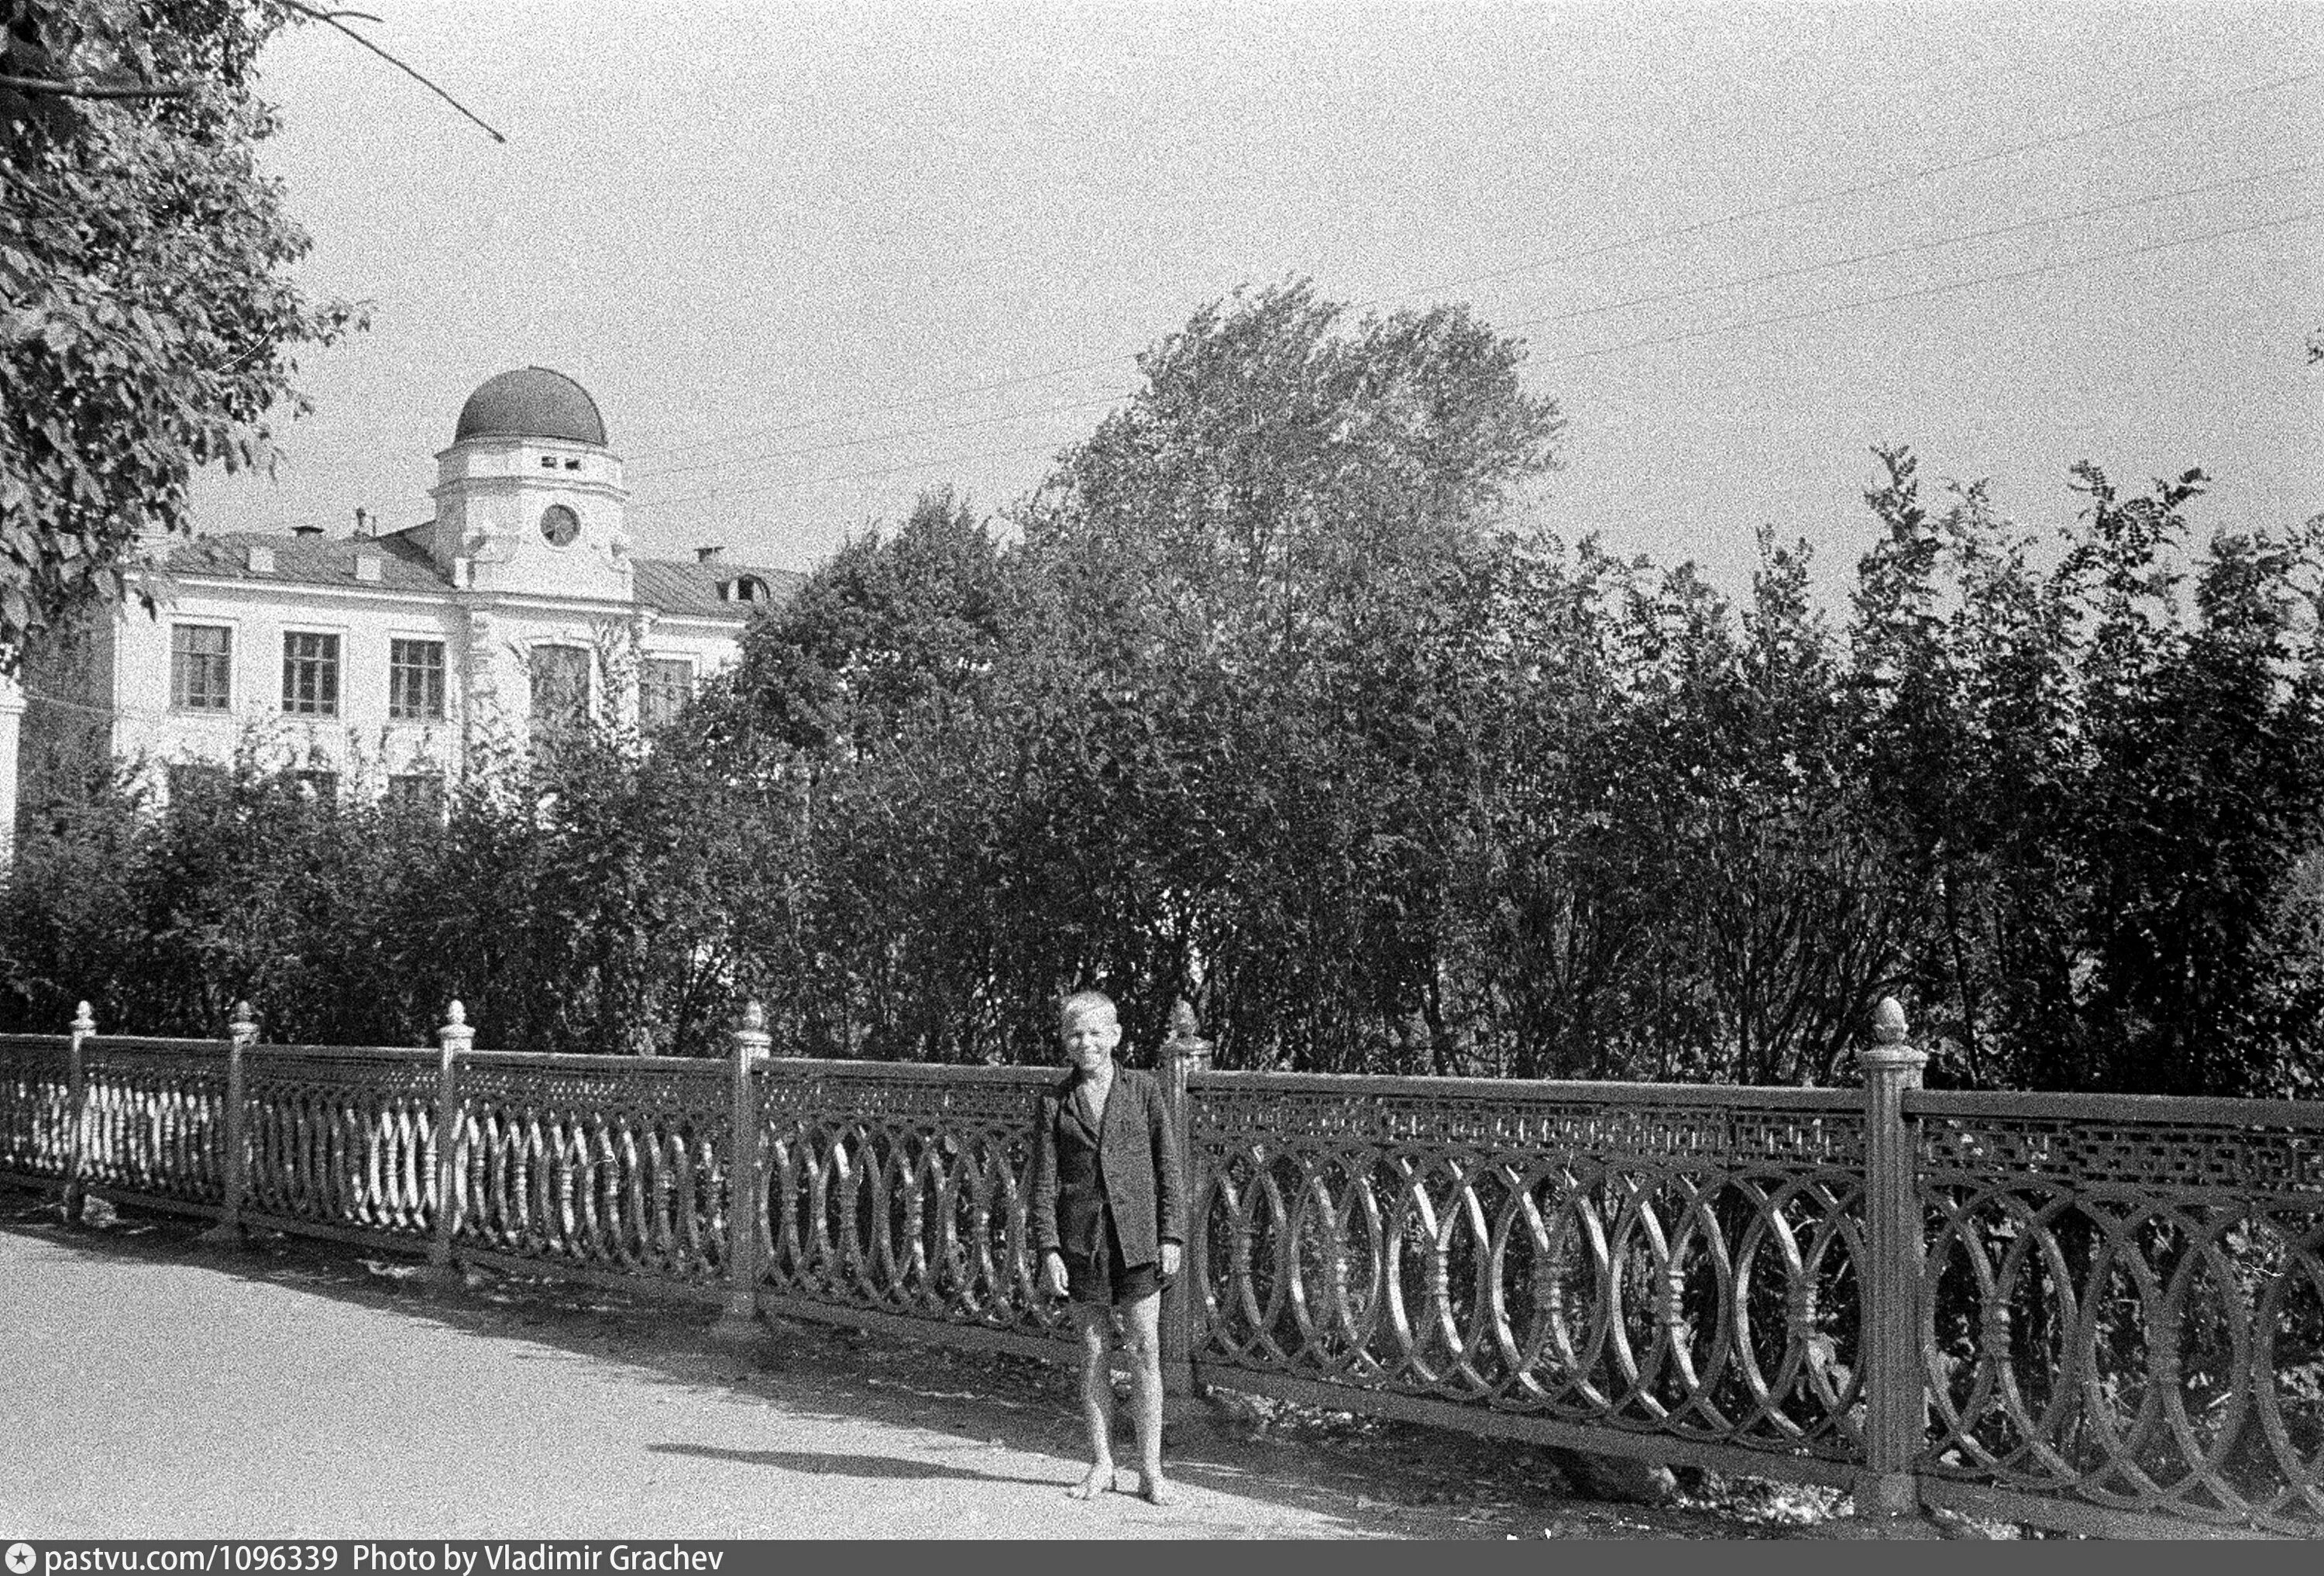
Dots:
{"x": 812, "y": 259}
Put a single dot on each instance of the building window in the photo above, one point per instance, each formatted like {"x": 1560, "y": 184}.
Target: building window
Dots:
{"x": 201, "y": 663}
{"x": 419, "y": 792}
{"x": 560, "y": 525}
{"x": 561, "y": 689}
{"x": 664, "y": 687}
{"x": 317, "y": 785}
{"x": 311, "y": 675}
{"x": 415, "y": 680}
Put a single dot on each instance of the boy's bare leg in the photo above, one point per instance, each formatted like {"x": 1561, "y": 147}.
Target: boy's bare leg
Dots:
{"x": 1144, "y": 1331}
{"x": 1097, "y": 1397}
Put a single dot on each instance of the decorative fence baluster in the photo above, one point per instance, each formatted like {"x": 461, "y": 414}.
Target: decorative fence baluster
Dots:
{"x": 453, "y": 1041}
{"x": 1896, "y": 1419}
{"x": 76, "y": 1193}
{"x": 1184, "y": 1054}
{"x": 746, "y": 1189}
{"x": 241, "y": 1035}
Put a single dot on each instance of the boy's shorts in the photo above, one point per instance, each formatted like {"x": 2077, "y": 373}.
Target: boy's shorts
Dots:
{"x": 1103, "y": 1280}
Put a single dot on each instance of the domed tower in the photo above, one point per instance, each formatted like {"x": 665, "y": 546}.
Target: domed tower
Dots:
{"x": 529, "y": 498}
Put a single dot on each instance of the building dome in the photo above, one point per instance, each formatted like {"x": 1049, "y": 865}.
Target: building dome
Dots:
{"x": 532, "y": 402}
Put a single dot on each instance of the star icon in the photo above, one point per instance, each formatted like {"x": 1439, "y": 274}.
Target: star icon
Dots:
{"x": 21, "y": 1559}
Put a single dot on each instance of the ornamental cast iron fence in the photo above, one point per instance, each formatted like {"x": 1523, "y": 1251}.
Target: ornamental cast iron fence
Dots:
{"x": 2101, "y": 1313}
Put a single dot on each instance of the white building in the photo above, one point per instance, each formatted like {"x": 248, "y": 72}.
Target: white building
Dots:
{"x": 386, "y": 662}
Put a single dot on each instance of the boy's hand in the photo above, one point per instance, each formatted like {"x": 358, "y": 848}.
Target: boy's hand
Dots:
{"x": 1053, "y": 1274}
{"x": 1170, "y": 1256}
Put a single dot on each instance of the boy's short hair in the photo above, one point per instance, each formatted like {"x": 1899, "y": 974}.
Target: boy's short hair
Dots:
{"x": 1087, "y": 1001}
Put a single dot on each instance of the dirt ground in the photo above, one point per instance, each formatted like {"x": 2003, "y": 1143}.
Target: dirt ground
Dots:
{"x": 295, "y": 1388}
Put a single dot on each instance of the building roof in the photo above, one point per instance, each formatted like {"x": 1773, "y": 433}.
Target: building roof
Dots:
{"x": 405, "y": 563}
{"x": 671, "y": 585}
{"x": 532, "y": 402}
{"x": 708, "y": 590}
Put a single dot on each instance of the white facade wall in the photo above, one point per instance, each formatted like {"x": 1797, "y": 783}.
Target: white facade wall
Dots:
{"x": 487, "y": 642}
{"x": 258, "y": 616}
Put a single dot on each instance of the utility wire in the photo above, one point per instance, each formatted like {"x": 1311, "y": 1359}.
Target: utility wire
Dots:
{"x": 1935, "y": 289}
{"x": 1879, "y": 184}
{"x": 956, "y": 459}
{"x": 1909, "y": 247}
{"x": 1718, "y": 329}
{"x": 878, "y": 438}
{"x": 937, "y": 399}
{"x": 1930, "y": 245}
{"x": 1642, "y": 238}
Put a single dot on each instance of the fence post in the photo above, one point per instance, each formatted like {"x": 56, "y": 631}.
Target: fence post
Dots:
{"x": 1184, "y": 1054}
{"x": 76, "y": 1124}
{"x": 242, "y": 1034}
{"x": 1896, "y": 1398}
{"x": 455, "y": 1040}
{"x": 745, "y": 1180}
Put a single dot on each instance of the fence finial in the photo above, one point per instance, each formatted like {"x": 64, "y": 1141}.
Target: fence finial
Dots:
{"x": 751, "y": 1041}
{"x": 84, "y": 1021}
{"x": 245, "y": 1027}
{"x": 1888, "y": 1022}
{"x": 1185, "y": 1044}
{"x": 456, "y": 1039}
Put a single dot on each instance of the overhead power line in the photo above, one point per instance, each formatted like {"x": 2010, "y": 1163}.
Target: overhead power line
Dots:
{"x": 954, "y": 459}
{"x": 2087, "y": 260}
{"x": 936, "y": 399}
{"x": 1931, "y": 243}
{"x": 1642, "y": 238}
{"x": 878, "y": 438}
{"x": 1879, "y": 183}
{"x": 1936, "y": 290}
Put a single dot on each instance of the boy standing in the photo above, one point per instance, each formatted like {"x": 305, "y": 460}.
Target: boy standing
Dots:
{"x": 1108, "y": 1218}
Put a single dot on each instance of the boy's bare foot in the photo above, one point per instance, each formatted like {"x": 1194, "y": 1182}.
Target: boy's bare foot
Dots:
{"x": 1156, "y": 1489}
{"x": 1098, "y": 1481}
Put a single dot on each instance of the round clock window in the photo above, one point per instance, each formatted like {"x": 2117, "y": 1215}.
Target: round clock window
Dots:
{"x": 560, "y": 525}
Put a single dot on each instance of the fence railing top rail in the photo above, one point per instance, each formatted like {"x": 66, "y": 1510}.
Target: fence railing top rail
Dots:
{"x": 1544, "y": 1091}
{"x": 705, "y": 1067}
{"x": 353, "y": 1054}
{"x": 159, "y": 1045}
{"x": 793, "y": 1069}
{"x": 2159, "y": 1109}
{"x": 35, "y": 1042}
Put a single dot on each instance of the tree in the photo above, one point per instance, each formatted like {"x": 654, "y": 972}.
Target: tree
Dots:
{"x": 890, "y": 631}
{"x": 2109, "y": 789}
{"x": 148, "y": 319}
{"x": 1275, "y": 567}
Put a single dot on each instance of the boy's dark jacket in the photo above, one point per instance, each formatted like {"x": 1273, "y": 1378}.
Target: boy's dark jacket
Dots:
{"x": 1143, "y": 1181}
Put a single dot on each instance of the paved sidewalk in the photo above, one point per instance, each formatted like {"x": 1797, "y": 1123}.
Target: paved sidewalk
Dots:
{"x": 306, "y": 1390}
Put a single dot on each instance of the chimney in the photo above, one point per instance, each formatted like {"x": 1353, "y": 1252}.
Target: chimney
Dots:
{"x": 709, "y": 555}
{"x": 363, "y": 521}
{"x": 306, "y": 530}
